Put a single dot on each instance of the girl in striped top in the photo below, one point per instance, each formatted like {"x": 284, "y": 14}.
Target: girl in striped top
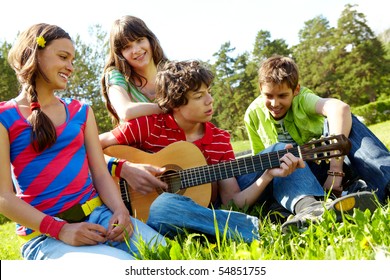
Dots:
{"x": 66, "y": 203}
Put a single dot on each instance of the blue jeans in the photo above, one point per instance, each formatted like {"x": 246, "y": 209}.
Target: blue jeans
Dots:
{"x": 368, "y": 158}
{"x": 43, "y": 247}
{"x": 171, "y": 213}
{"x": 287, "y": 191}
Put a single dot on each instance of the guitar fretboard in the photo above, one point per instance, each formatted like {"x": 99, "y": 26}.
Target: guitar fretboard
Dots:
{"x": 210, "y": 173}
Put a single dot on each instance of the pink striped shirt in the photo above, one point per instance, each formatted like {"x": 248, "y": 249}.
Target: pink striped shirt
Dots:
{"x": 56, "y": 179}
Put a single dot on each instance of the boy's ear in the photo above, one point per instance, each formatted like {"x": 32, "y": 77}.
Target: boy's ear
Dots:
{"x": 297, "y": 89}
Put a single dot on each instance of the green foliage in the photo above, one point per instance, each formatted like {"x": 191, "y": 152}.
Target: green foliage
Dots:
{"x": 374, "y": 112}
{"x": 346, "y": 62}
{"x": 9, "y": 85}
{"x": 314, "y": 56}
{"x": 85, "y": 81}
{"x": 232, "y": 90}
{"x": 264, "y": 47}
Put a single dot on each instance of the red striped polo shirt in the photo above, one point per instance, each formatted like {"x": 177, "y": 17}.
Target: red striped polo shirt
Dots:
{"x": 153, "y": 133}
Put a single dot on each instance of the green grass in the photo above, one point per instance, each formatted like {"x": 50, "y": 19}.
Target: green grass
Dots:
{"x": 382, "y": 131}
{"x": 241, "y": 146}
{"x": 10, "y": 244}
{"x": 358, "y": 237}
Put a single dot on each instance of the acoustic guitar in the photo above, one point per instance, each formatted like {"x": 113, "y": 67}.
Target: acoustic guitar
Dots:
{"x": 187, "y": 172}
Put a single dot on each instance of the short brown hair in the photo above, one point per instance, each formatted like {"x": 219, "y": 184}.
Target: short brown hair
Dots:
{"x": 278, "y": 70}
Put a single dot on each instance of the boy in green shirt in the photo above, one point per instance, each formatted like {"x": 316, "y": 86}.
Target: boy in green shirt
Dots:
{"x": 288, "y": 113}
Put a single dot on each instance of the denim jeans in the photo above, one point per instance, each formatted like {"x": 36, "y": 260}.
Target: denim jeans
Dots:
{"x": 171, "y": 213}
{"x": 43, "y": 247}
{"x": 287, "y": 191}
{"x": 369, "y": 159}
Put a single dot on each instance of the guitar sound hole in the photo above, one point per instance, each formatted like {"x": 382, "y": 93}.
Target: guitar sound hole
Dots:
{"x": 172, "y": 178}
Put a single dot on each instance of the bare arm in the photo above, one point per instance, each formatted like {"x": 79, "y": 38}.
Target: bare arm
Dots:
{"x": 11, "y": 206}
{"x": 339, "y": 118}
{"x": 338, "y": 114}
{"x": 104, "y": 184}
{"x": 125, "y": 108}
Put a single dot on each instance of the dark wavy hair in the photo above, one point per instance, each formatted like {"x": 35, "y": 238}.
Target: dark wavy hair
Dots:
{"x": 176, "y": 78}
{"x": 124, "y": 30}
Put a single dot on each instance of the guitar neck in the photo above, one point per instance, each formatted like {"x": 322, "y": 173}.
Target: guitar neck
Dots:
{"x": 224, "y": 170}
{"x": 125, "y": 194}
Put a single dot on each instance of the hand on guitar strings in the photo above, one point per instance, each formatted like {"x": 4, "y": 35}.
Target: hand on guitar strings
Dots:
{"x": 142, "y": 177}
{"x": 288, "y": 164}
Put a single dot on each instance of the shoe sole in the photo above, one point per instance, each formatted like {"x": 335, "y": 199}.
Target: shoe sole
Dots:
{"x": 360, "y": 200}
{"x": 345, "y": 204}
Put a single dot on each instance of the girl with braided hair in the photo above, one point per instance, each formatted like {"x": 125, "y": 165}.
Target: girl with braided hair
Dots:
{"x": 66, "y": 204}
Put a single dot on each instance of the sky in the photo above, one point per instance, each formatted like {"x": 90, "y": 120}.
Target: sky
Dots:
{"x": 189, "y": 29}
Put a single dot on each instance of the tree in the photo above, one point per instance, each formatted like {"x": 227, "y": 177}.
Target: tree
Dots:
{"x": 313, "y": 55}
{"x": 361, "y": 63}
{"x": 9, "y": 85}
{"x": 229, "y": 101}
{"x": 222, "y": 90}
{"x": 233, "y": 90}
{"x": 265, "y": 48}
{"x": 384, "y": 37}
{"x": 85, "y": 82}
{"x": 245, "y": 91}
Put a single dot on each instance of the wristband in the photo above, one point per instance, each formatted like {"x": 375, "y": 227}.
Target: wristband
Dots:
{"x": 118, "y": 168}
{"x": 336, "y": 173}
{"x": 51, "y": 226}
{"x": 111, "y": 166}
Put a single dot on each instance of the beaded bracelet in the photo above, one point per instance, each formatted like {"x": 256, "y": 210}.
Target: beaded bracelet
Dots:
{"x": 336, "y": 173}
{"x": 51, "y": 226}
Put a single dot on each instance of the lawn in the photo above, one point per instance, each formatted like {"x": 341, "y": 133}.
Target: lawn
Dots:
{"x": 359, "y": 237}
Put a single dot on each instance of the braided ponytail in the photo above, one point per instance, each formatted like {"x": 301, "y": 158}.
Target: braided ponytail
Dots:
{"x": 43, "y": 134}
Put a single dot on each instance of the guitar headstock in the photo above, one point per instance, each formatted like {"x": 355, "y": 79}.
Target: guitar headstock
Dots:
{"x": 326, "y": 147}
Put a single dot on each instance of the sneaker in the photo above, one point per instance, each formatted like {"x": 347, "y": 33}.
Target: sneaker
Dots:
{"x": 359, "y": 200}
{"x": 301, "y": 220}
{"x": 343, "y": 205}
{"x": 357, "y": 186}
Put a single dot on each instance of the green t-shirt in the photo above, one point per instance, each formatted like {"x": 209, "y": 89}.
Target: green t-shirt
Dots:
{"x": 115, "y": 77}
{"x": 301, "y": 121}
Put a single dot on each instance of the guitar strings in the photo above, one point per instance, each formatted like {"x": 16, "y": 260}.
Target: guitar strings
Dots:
{"x": 209, "y": 173}
{"x": 181, "y": 179}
